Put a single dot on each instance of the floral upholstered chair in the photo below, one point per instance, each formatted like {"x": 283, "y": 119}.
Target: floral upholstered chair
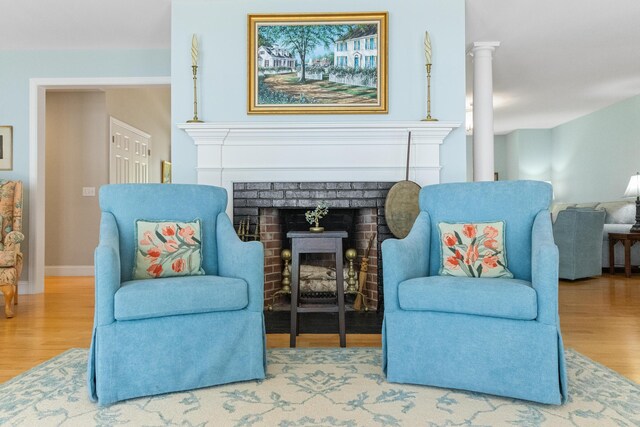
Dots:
{"x": 10, "y": 255}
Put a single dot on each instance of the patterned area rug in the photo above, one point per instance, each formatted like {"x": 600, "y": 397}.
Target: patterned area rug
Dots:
{"x": 315, "y": 387}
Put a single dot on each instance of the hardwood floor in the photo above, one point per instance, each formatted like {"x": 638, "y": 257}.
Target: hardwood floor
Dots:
{"x": 600, "y": 318}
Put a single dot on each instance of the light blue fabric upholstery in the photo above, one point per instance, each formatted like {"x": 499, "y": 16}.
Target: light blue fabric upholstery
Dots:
{"x": 450, "y": 337}
{"x": 144, "y": 299}
{"x": 508, "y": 298}
{"x": 578, "y": 235}
{"x": 182, "y": 332}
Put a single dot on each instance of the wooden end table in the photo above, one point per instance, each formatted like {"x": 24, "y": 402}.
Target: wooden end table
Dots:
{"x": 306, "y": 242}
{"x": 628, "y": 240}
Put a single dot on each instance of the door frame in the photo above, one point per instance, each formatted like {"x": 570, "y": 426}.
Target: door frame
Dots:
{"x": 37, "y": 136}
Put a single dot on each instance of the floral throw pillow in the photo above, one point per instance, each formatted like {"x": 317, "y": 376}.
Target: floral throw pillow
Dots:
{"x": 473, "y": 250}
{"x": 167, "y": 248}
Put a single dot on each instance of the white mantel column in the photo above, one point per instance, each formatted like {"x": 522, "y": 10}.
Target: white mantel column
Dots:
{"x": 483, "y": 155}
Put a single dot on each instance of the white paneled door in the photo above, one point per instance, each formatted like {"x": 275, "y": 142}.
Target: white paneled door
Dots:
{"x": 129, "y": 153}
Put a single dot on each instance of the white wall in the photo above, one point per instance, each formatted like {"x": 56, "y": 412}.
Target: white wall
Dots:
{"x": 148, "y": 109}
{"x": 222, "y": 30}
{"x": 77, "y": 155}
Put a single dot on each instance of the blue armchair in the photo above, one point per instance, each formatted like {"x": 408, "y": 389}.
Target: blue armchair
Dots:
{"x": 497, "y": 336}
{"x": 161, "y": 335}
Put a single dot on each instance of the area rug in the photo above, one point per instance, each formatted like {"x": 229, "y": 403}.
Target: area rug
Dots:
{"x": 315, "y": 387}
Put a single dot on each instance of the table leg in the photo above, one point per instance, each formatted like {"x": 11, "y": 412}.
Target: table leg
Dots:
{"x": 612, "y": 244}
{"x": 295, "y": 289}
{"x": 627, "y": 257}
{"x": 340, "y": 291}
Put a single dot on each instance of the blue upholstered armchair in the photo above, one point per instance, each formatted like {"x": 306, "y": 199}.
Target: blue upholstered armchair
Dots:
{"x": 168, "y": 334}
{"x": 492, "y": 335}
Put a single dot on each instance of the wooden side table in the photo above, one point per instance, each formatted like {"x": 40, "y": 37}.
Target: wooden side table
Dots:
{"x": 306, "y": 242}
{"x": 628, "y": 240}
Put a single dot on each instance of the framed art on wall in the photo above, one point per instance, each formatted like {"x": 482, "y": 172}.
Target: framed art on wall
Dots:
{"x": 6, "y": 148}
{"x": 166, "y": 172}
{"x": 329, "y": 63}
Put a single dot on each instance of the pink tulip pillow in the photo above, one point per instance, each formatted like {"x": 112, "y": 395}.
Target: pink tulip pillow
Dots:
{"x": 167, "y": 248}
{"x": 473, "y": 250}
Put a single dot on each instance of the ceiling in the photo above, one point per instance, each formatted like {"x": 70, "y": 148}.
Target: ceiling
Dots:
{"x": 558, "y": 60}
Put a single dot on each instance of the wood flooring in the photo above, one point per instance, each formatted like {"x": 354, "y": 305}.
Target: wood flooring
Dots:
{"x": 600, "y": 318}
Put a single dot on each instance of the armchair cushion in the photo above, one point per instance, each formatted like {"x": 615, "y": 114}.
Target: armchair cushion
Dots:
{"x": 7, "y": 258}
{"x": 505, "y": 298}
{"x": 167, "y": 248}
{"x": 473, "y": 250}
{"x": 144, "y": 299}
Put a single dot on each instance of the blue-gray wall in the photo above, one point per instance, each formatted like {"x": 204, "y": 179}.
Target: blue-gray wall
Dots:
{"x": 222, "y": 30}
{"x": 595, "y": 155}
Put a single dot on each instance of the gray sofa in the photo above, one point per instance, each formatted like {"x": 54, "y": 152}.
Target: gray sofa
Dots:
{"x": 619, "y": 217}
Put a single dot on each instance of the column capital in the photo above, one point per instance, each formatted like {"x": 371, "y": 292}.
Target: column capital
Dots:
{"x": 482, "y": 46}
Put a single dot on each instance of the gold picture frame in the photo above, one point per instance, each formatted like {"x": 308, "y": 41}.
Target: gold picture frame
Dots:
{"x": 166, "y": 172}
{"x": 338, "y": 65}
{"x": 6, "y": 148}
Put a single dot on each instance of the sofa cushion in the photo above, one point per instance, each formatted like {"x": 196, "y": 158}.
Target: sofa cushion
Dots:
{"x": 506, "y": 298}
{"x": 167, "y": 248}
{"x": 621, "y": 212}
{"x": 143, "y": 299}
{"x": 473, "y": 249}
{"x": 587, "y": 205}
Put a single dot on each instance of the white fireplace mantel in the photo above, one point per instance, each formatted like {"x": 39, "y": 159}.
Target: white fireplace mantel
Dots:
{"x": 324, "y": 151}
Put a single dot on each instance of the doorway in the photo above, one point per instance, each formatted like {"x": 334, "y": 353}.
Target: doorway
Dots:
{"x": 39, "y": 88}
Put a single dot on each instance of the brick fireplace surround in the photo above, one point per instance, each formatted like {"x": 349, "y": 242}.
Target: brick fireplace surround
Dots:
{"x": 263, "y": 156}
{"x": 265, "y": 200}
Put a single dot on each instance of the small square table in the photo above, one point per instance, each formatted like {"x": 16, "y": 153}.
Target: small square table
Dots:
{"x": 306, "y": 242}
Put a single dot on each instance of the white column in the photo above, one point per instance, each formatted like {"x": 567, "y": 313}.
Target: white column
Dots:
{"x": 483, "y": 166}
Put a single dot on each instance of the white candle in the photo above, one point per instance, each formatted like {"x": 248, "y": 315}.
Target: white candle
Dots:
{"x": 194, "y": 50}
{"x": 427, "y": 47}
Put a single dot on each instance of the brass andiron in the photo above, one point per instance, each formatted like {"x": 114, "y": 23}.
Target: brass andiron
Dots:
{"x": 429, "y": 118}
{"x": 286, "y": 277}
{"x": 195, "y": 96}
{"x": 351, "y": 254}
{"x": 244, "y": 230}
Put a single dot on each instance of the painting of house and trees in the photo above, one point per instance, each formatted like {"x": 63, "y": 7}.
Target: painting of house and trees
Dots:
{"x": 318, "y": 63}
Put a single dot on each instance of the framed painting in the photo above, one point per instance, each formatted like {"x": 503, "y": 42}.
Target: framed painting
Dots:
{"x": 328, "y": 63}
{"x": 166, "y": 172}
{"x": 6, "y": 148}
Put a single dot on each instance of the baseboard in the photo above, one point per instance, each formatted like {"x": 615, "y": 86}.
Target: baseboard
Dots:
{"x": 68, "y": 270}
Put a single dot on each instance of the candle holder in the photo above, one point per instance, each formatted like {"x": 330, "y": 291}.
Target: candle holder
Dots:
{"x": 429, "y": 118}
{"x": 195, "y": 96}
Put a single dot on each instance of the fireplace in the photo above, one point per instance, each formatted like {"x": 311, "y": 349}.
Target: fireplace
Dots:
{"x": 278, "y": 207}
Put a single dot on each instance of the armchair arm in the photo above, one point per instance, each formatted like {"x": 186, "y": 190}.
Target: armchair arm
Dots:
{"x": 244, "y": 260}
{"x": 544, "y": 268}
{"x": 107, "y": 269}
{"x": 12, "y": 239}
{"x": 405, "y": 259}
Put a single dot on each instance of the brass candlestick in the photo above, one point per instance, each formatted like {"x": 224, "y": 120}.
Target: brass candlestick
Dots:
{"x": 429, "y": 118}
{"x": 195, "y": 96}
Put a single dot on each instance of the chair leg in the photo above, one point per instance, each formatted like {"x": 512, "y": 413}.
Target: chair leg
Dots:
{"x": 9, "y": 292}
